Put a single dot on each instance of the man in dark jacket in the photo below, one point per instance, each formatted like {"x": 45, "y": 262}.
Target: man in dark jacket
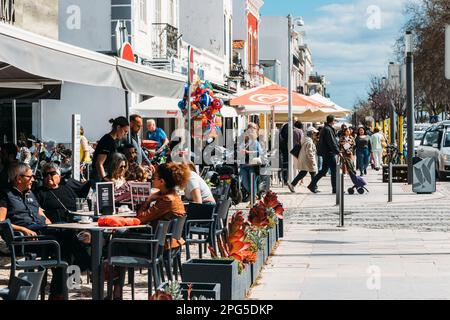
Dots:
{"x": 328, "y": 149}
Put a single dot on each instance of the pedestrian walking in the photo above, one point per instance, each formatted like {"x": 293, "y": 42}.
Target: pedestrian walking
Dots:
{"x": 363, "y": 150}
{"x": 347, "y": 146}
{"x": 328, "y": 149}
{"x": 376, "y": 141}
{"x": 307, "y": 160}
{"x": 85, "y": 150}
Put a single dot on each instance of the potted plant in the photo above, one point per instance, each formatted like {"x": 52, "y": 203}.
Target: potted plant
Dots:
{"x": 191, "y": 290}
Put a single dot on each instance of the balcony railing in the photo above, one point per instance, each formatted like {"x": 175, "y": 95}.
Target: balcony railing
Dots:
{"x": 165, "y": 41}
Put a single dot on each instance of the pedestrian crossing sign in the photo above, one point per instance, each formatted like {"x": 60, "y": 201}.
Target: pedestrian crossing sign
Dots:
{"x": 447, "y": 52}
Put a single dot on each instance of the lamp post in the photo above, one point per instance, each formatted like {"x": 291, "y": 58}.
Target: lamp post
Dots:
{"x": 410, "y": 102}
{"x": 290, "y": 126}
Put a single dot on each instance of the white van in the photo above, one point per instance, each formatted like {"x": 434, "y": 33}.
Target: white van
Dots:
{"x": 436, "y": 144}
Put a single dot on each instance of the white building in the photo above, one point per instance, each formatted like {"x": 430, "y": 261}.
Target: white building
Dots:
{"x": 274, "y": 46}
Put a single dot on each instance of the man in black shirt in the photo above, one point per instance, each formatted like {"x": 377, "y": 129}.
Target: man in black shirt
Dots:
{"x": 56, "y": 199}
{"x": 328, "y": 149}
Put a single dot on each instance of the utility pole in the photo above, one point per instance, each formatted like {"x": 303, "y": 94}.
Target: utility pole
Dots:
{"x": 410, "y": 103}
{"x": 290, "y": 124}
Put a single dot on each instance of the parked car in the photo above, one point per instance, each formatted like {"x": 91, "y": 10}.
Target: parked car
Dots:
{"x": 418, "y": 136}
{"x": 436, "y": 144}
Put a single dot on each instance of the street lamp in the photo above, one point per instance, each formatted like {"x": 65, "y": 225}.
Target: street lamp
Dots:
{"x": 409, "y": 60}
{"x": 292, "y": 23}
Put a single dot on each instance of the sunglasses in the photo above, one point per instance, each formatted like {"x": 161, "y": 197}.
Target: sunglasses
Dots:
{"x": 51, "y": 173}
{"x": 28, "y": 177}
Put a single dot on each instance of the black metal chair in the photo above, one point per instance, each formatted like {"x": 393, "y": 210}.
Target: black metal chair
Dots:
{"x": 35, "y": 278}
{"x": 223, "y": 208}
{"x": 45, "y": 244}
{"x": 201, "y": 221}
{"x": 153, "y": 262}
{"x": 172, "y": 256}
{"x": 18, "y": 289}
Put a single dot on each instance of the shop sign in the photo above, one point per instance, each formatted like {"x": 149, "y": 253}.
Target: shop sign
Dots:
{"x": 7, "y": 12}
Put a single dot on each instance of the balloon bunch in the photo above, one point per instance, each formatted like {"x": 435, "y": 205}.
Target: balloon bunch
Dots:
{"x": 205, "y": 108}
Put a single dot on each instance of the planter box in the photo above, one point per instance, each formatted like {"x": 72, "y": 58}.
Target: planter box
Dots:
{"x": 245, "y": 280}
{"x": 271, "y": 239}
{"x": 257, "y": 266}
{"x": 208, "y": 290}
{"x": 280, "y": 228}
{"x": 265, "y": 250}
{"x": 224, "y": 272}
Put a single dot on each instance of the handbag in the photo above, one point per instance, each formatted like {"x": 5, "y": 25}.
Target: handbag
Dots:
{"x": 296, "y": 150}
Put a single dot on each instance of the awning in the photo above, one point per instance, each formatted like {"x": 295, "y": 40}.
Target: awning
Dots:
{"x": 29, "y": 62}
{"x": 228, "y": 112}
{"x": 34, "y": 59}
{"x": 148, "y": 81}
{"x": 157, "y": 107}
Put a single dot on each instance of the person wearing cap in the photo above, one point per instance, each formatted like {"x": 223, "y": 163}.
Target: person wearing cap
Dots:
{"x": 307, "y": 160}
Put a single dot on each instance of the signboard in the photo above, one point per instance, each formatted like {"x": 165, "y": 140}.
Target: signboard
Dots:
{"x": 447, "y": 52}
{"x": 105, "y": 198}
{"x": 424, "y": 177}
{"x": 140, "y": 191}
{"x": 76, "y": 125}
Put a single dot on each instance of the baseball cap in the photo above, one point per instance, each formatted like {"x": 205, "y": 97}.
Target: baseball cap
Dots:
{"x": 312, "y": 129}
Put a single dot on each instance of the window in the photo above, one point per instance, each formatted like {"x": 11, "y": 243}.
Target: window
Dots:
{"x": 143, "y": 14}
{"x": 157, "y": 11}
{"x": 431, "y": 137}
{"x": 447, "y": 140}
{"x": 172, "y": 13}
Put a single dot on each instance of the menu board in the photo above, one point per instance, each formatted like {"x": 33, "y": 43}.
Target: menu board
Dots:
{"x": 140, "y": 191}
{"x": 105, "y": 198}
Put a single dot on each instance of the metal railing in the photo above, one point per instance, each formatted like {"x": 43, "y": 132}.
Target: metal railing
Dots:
{"x": 165, "y": 41}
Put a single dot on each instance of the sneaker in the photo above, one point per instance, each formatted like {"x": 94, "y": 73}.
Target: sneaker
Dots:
{"x": 291, "y": 187}
{"x": 312, "y": 190}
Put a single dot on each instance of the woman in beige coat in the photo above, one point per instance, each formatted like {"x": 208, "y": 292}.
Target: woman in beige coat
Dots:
{"x": 307, "y": 159}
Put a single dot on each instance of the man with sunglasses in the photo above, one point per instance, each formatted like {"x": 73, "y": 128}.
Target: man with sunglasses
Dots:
{"x": 19, "y": 204}
{"x": 56, "y": 197}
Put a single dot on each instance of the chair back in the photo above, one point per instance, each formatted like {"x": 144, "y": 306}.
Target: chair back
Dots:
{"x": 222, "y": 208}
{"x": 35, "y": 278}
{"x": 160, "y": 235}
{"x": 199, "y": 211}
{"x": 177, "y": 227}
{"x": 6, "y": 231}
{"x": 19, "y": 289}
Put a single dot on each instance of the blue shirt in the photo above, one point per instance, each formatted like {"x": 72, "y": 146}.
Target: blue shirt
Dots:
{"x": 158, "y": 135}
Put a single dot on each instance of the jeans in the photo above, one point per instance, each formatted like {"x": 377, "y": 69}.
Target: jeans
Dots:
{"x": 245, "y": 172}
{"x": 319, "y": 162}
{"x": 362, "y": 159}
{"x": 329, "y": 163}
{"x": 301, "y": 175}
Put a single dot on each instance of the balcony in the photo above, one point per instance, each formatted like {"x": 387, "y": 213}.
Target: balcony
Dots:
{"x": 165, "y": 41}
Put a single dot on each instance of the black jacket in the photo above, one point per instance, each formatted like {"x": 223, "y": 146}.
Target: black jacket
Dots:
{"x": 328, "y": 145}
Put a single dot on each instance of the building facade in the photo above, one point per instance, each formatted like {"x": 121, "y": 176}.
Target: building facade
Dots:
{"x": 246, "y": 70}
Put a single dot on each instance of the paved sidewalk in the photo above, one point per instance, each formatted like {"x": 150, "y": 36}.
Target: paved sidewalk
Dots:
{"x": 320, "y": 261}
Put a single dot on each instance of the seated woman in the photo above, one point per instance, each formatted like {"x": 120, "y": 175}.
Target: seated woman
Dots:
{"x": 118, "y": 170}
{"x": 197, "y": 191}
{"x": 165, "y": 204}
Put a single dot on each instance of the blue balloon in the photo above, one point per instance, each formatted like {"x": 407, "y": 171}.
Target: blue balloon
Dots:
{"x": 182, "y": 105}
{"x": 205, "y": 100}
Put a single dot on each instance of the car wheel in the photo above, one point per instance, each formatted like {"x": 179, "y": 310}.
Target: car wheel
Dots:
{"x": 442, "y": 176}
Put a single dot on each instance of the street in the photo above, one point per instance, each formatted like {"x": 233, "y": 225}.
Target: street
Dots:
{"x": 395, "y": 251}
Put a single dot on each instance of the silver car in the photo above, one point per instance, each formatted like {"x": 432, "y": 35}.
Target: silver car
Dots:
{"x": 436, "y": 144}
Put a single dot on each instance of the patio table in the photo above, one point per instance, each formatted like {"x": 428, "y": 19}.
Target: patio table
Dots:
{"x": 96, "y": 250}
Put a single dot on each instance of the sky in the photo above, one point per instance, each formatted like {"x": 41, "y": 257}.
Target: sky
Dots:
{"x": 350, "y": 40}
